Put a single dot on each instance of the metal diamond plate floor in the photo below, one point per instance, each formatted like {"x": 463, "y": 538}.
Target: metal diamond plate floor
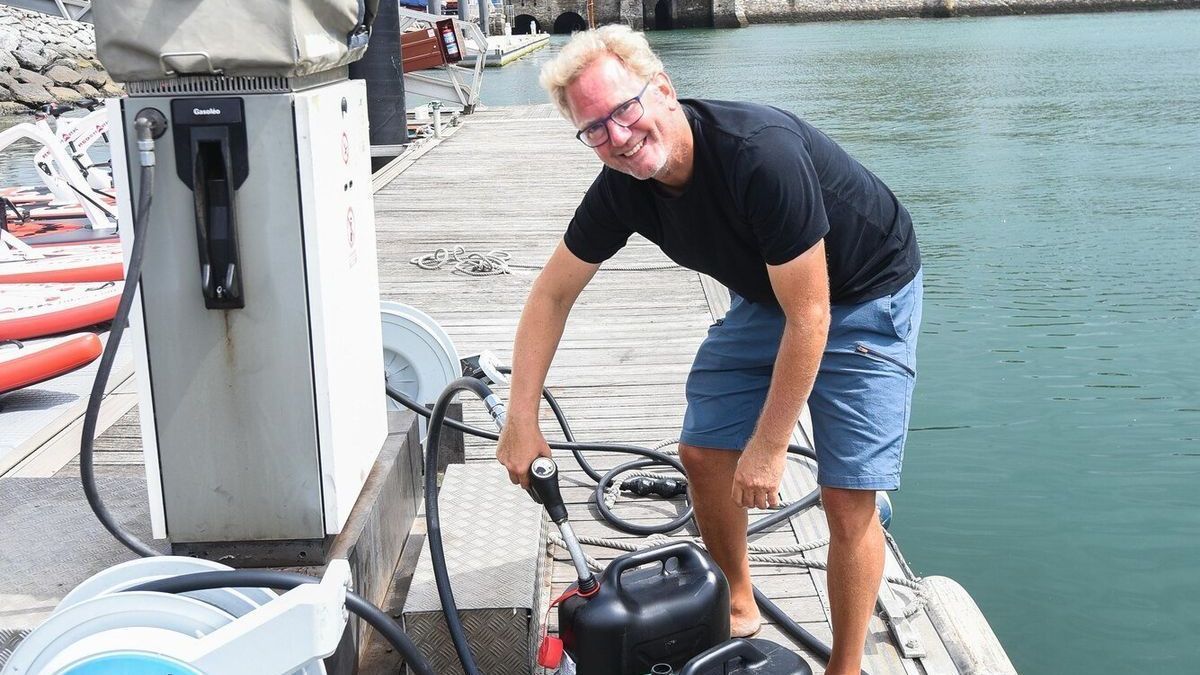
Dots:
{"x": 26, "y": 412}
{"x": 51, "y": 541}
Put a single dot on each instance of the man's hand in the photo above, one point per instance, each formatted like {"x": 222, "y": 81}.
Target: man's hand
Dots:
{"x": 759, "y": 471}
{"x": 520, "y": 444}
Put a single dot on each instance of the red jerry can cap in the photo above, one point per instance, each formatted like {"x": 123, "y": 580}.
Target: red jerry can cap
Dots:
{"x": 550, "y": 652}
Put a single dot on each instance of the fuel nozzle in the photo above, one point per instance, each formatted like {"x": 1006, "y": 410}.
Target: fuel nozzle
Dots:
{"x": 543, "y": 482}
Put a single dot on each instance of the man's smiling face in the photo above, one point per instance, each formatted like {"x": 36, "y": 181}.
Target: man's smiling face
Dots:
{"x": 640, "y": 150}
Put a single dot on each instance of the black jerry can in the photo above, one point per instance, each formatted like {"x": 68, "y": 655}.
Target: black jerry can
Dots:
{"x": 660, "y": 605}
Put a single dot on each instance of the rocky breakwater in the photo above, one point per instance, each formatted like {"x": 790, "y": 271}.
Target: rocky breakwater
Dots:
{"x": 47, "y": 59}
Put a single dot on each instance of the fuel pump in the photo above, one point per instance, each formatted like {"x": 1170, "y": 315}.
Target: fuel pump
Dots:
{"x": 256, "y": 327}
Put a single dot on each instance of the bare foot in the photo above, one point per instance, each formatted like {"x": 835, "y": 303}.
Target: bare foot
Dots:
{"x": 745, "y": 624}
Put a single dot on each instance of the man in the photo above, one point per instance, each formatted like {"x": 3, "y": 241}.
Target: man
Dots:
{"x": 824, "y": 274}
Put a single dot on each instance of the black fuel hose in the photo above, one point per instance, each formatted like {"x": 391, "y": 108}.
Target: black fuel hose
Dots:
{"x": 793, "y": 629}
{"x": 375, "y": 617}
{"x": 569, "y": 435}
{"x": 602, "y": 482}
{"x": 653, "y": 457}
{"x": 437, "y": 419}
{"x": 433, "y": 519}
{"x": 784, "y": 622}
{"x": 87, "y": 473}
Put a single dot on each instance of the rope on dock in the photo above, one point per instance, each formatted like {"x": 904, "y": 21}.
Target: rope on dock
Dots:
{"x": 758, "y": 554}
{"x": 496, "y": 262}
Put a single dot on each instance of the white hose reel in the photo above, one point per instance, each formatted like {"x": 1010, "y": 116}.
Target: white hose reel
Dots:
{"x": 419, "y": 358}
{"x": 99, "y": 628}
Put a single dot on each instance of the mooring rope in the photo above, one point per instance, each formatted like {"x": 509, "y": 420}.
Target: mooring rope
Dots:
{"x": 496, "y": 262}
{"x": 758, "y": 554}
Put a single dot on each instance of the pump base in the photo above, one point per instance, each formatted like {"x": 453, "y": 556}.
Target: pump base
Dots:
{"x": 282, "y": 553}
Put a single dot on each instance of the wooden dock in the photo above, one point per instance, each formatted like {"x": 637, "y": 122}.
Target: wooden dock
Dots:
{"x": 509, "y": 179}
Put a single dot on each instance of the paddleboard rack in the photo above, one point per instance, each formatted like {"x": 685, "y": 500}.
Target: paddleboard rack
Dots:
{"x": 66, "y": 181}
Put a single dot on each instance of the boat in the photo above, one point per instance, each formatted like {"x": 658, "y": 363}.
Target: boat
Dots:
{"x": 59, "y": 211}
{"x": 20, "y": 263}
{"x": 39, "y": 233}
{"x": 26, "y": 364}
{"x": 77, "y": 263}
{"x": 69, "y": 236}
{"x": 35, "y": 310}
{"x": 24, "y": 195}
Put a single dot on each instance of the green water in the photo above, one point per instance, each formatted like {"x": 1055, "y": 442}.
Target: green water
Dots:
{"x": 1051, "y": 167}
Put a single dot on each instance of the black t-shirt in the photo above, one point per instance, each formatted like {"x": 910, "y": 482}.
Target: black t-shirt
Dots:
{"x": 766, "y": 187}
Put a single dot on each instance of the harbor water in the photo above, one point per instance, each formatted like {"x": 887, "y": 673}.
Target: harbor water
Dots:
{"x": 1052, "y": 167}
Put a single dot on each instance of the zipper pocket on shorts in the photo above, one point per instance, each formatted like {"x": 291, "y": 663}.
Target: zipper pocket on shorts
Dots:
{"x": 863, "y": 349}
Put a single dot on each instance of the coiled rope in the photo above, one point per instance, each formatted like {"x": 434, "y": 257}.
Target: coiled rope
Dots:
{"x": 495, "y": 262}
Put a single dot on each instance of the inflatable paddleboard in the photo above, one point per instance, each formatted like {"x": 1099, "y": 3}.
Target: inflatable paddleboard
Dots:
{"x": 40, "y": 210}
{"x": 81, "y": 235}
{"x": 79, "y": 263}
{"x": 61, "y": 232}
{"x": 26, "y": 195}
{"x": 23, "y": 189}
{"x": 22, "y": 365}
{"x": 54, "y": 212}
{"x": 33, "y": 310}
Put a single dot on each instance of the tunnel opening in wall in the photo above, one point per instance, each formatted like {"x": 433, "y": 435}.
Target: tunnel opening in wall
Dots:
{"x": 569, "y": 22}
{"x": 662, "y": 16}
{"x": 523, "y": 24}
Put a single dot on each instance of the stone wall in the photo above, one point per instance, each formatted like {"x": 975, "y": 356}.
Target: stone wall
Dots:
{"x": 692, "y": 14}
{"x": 786, "y": 11}
{"x": 640, "y": 14}
{"x": 46, "y": 59}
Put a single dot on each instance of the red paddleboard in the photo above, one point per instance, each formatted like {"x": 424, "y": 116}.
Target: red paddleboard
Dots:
{"x": 30, "y": 228}
{"x": 60, "y": 232}
{"x": 27, "y": 195}
{"x": 33, "y": 310}
{"x": 53, "y": 212}
{"x": 82, "y": 235}
{"x": 81, "y": 263}
{"x": 18, "y": 190}
{"x": 23, "y": 365}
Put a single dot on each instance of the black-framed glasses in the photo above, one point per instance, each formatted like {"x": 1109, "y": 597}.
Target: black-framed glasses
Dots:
{"x": 627, "y": 114}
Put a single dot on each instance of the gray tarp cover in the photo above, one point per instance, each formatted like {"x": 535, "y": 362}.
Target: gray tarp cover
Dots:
{"x": 154, "y": 39}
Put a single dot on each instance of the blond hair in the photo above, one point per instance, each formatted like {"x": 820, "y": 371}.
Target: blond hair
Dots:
{"x": 585, "y": 47}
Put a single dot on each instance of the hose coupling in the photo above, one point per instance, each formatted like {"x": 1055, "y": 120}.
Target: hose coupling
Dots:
{"x": 149, "y": 125}
{"x": 496, "y": 409}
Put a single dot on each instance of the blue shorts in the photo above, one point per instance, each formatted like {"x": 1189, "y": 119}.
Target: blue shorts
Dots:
{"x": 861, "y": 400}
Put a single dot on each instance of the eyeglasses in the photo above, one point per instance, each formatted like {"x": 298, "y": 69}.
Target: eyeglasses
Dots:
{"x": 627, "y": 114}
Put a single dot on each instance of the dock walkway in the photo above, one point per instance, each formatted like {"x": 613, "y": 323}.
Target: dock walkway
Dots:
{"x": 510, "y": 180}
